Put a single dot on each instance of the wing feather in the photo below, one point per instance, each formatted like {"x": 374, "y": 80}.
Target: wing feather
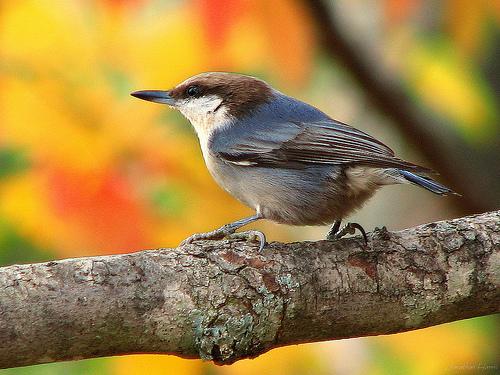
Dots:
{"x": 297, "y": 144}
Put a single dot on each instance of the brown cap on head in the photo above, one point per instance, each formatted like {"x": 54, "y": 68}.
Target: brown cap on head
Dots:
{"x": 240, "y": 94}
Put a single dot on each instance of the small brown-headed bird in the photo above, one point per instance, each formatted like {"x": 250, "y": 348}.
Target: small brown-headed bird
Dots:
{"x": 284, "y": 158}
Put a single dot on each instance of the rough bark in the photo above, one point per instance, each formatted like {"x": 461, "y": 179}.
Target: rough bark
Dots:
{"x": 223, "y": 301}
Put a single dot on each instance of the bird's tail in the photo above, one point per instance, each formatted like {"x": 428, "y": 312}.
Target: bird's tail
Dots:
{"x": 426, "y": 183}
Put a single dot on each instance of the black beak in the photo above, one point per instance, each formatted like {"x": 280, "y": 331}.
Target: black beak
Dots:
{"x": 157, "y": 96}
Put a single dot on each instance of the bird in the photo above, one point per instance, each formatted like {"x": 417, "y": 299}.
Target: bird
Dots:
{"x": 286, "y": 159}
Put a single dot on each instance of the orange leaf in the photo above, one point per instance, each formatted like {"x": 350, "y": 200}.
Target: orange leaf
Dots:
{"x": 101, "y": 207}
{"x": 218, "y": 16}
{"x": 290, "y": 38}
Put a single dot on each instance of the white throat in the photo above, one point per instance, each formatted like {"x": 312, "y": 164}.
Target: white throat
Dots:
{"x": 205, "y": 114}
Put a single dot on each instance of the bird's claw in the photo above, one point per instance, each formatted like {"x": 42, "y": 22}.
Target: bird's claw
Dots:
{"x": 349, "y": 228}
{"x": 250, "y": 235}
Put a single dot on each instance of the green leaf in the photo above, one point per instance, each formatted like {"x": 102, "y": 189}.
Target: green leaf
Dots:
{"x": 12, "y": 161}
{"x": 90, "y": 366}
{"x": 168, "y": 200}
{"x": 15, "y": 248}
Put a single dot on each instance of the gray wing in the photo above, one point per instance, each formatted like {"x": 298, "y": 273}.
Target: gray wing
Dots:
{"x": 297, "y": 144}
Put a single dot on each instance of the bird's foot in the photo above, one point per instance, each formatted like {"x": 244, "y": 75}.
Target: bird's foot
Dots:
{"x": 349, "y": 228}
{"x": 250, "y": 235}
{"x": 217, "y": 234}
{"x": 228, "y": 232}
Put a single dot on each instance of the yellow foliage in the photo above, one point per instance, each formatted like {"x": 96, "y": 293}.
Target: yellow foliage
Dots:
{"x": 45, "y": 35}
{"x": 151, "y": 364}
{"x": 447, "y": 85}
{"x": 300, "y": 359}
{"x": 22, "y": 200}
{"x": 49, "y": 127}
{"x": 436, "y": 350}
{"x": 166, "y": 50}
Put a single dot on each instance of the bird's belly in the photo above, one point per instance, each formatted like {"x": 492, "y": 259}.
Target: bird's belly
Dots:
{"x": 233, "y": 180}
{"x": 308, "y": 196}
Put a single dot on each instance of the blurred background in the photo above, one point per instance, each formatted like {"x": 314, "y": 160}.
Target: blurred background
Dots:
{"x": 86, "y": 169}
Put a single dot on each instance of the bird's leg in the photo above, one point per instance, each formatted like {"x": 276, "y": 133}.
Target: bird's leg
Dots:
{"x": 229, "y": 230}
{"x": 333, "y": 230}
{"x": 350, "y": 228}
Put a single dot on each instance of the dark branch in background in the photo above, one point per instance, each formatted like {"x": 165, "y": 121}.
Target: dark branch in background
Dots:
{"x": 223, "y": 301}
{"x": 449, "y": 155}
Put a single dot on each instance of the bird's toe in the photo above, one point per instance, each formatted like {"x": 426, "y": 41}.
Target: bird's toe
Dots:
{"x": 250, "y": 235}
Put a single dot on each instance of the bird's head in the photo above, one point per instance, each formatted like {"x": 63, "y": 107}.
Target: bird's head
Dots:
{"x": 210, "y": 100}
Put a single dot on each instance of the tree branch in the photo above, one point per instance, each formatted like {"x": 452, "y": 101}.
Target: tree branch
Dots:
{"x": 223, "y": 301}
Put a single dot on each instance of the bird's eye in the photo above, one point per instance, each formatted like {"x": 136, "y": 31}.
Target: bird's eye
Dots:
{"x": 193, "y": 91}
